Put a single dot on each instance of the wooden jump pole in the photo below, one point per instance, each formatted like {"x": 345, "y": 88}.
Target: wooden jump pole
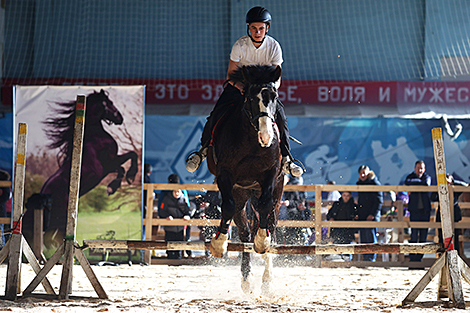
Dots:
{"x": 67, "y": 249}
{"x": 449, "y": 265}
{"x": 74, "y": 188}
{"x": 275, "y": 249}
{"x": 16, "y": 242}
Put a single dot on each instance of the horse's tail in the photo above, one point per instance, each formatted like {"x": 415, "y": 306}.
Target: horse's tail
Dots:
{"x": 253, "y": 218}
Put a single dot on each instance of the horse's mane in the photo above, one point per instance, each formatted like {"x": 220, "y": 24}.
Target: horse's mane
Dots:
{"x": 60, "y": 128}
{"x": 259, "y": 74}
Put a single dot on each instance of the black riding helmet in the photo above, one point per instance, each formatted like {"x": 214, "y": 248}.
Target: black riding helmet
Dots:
{"x": 257, "y": 15}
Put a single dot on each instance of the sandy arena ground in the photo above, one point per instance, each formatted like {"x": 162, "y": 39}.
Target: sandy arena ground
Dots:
{"x": 216, "y": 288}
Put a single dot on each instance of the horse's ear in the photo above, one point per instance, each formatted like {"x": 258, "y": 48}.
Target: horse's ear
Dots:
{"x": 102, "y": 91}
{"x": 277, "y": 73}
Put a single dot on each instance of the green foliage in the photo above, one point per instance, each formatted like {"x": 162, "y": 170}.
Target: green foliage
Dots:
{"x": 126, "y": 198}
{"x": 33, "y": 184}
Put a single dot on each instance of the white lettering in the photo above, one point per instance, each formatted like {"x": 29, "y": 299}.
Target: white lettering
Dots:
{"x": 207, "y": 95}
{"x": 290, "y": 93}
{"x": 410, "y": 93}
{"x": 421, "y": 93}
{"x": 160, "y": 91}
{"x": 171, "y": 89}
{"x": 450, "y": 95}
{"x": 322, "y": 94}
{"x": 384, "y": 95}
{"x": 335, "y": 93}
{"x": 183, "y": 92}
{"x": 460, "y": 96}
{"x": 346, "y": 98}
{"x": 360, "y": 93}
{"x": 436, "y": 95}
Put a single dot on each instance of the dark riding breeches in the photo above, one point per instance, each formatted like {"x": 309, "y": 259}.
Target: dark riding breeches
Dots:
{"x": 232, "y": 96}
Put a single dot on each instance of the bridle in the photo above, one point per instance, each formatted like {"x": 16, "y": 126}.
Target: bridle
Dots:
{"x": 249, "y": 100}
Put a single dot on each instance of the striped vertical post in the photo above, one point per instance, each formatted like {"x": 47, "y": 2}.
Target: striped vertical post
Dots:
{"x": 66, "y": 281}
{"x": 16, "y": 242}
{"x": 439, "y": 158}
{"x": 450, "y": 273}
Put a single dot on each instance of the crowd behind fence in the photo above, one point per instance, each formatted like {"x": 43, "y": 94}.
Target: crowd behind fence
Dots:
{"x": 398, "y": 222}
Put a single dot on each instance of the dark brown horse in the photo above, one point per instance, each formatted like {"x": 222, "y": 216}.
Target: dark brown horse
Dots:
{"x": 246, "y": 159}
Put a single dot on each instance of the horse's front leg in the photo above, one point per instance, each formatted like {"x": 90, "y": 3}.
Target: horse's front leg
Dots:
{"x": 267, "y": 275}
{"x": 262, "y": 240}
{"x": 116, "y": 183}
{"x": 219, "y": 243}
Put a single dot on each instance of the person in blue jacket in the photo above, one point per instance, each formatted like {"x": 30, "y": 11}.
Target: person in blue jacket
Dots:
{"x": 369, "y": 205}
{"x": 419, "y": 205}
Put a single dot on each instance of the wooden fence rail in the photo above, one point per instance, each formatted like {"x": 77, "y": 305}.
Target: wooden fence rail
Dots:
{"x": 399, "y": 223}
{"x": 275, "y": 249}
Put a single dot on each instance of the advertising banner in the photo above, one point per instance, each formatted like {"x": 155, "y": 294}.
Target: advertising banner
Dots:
{"x": 111, "y": 180}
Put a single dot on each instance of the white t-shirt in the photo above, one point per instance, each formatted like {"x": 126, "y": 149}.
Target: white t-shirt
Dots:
{"x": 244, "y": 52}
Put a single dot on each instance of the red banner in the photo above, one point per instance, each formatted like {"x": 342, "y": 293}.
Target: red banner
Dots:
{"x": 207, "y": 91}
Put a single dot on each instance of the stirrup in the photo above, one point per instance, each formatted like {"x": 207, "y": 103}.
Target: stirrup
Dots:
{"x": 201, "y": 158}
{"x": 288, "y": 164}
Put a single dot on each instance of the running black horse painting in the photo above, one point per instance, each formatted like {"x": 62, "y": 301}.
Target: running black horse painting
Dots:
{"x": 246, "y": 160}
{"x": 99, "y": 158}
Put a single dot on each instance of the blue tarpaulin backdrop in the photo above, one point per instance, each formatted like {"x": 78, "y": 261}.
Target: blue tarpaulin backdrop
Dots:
{"x": 333, "y": 148}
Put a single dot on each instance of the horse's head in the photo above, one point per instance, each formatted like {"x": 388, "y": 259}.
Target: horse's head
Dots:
{"x": 261, "y": 100}
{"x": 99, "y": 106}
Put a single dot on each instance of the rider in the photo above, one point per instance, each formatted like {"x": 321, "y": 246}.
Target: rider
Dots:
{"x": 255, "y": 48}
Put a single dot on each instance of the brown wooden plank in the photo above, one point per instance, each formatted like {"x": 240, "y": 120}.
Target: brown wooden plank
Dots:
{"x": 90, "y": 274}
{"x": 45, "y": 270}
{"x": 274, "y": 249}
{"x": 425, "y": 280}
{"x": 14, "y": 259}
{"x": 70, "y": 232}
{"x": 453, "y": 280}
{"x": 14, "y": 267}
{"x": 33, "y": 262}
{"x": 38, "y": 233}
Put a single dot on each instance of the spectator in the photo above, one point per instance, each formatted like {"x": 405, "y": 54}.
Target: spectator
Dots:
{"x": 369, "y": 208}
{"x": 419, "y": 206}
{"x": 174, "y": 205}
{"x": 333, "y": 195}
{"x": 345, "y": 209}
{"x": 296, "y": 204}
{"x": 457, "y": 211}
{"x": 5, "y": 195}
{"x": 211, "y": 202}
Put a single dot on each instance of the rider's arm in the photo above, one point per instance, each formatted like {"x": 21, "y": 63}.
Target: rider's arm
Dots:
{"x": 232, "y": 66}
{"x": 278, "y": 82}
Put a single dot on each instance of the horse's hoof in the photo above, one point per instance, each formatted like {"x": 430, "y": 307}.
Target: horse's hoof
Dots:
{"x": 113, "y": 186}
{"x": 266, "y": 289}
{"x": 130, "y": 178}
{"x": 247, "y": 286}
{"x": 219, "y": 245}
{"x": 262, "y": 241}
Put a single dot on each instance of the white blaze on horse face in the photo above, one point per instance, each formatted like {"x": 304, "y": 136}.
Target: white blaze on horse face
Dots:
{"x": 266, "y": 129}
